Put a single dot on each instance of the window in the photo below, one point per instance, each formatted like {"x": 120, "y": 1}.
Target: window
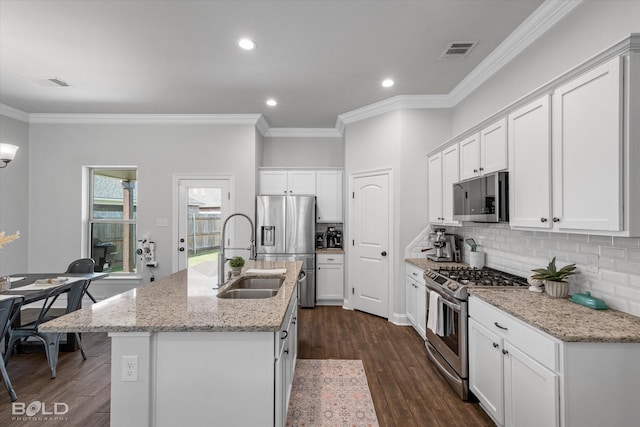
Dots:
{"x": 112, "y": 219}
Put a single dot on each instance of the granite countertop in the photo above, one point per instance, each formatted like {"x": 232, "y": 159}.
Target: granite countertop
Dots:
{"x": 330, "y": 251}
{"x": 425, "y": 263}
{"x": 184, "y": 302}
{"x": 561, "y": 318}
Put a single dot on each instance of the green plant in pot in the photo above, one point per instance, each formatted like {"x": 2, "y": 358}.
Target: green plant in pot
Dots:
{"x": 236, "y": 263}
{"x": 554, "y": 281}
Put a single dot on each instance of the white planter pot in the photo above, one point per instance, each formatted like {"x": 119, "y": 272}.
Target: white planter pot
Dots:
{"x": 476, "y": 259}
{"x": 556, "y": 289}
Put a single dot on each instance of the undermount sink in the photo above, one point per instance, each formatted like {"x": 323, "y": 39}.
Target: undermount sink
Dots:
{"x": 248, "y": 293}
{"x": 253, "y": 288}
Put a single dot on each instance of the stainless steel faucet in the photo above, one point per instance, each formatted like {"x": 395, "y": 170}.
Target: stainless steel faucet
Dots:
{"x": 221, "y": 256}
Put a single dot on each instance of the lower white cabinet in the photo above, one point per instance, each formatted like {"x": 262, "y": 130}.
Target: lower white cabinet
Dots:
{"x": 525, "y": 377}
{"x": 416, "y": 299}
{"x": 286, "y": 355}
{"x": 329, "y": 279}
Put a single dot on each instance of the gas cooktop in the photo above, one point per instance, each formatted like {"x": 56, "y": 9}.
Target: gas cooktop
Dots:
{"x": 455, "y": 280}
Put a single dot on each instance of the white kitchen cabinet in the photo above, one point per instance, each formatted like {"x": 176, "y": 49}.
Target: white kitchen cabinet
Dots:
{"x": 512, "y": 387}
{"x": 416, "y": 299}
{"x": 588, "y": 149}
{"x": 286, "y": 356}
{"x": 329, "y": 279}
{"x": 484, "y": 152}
{"x": 329, "y": 196}
{"x": 530, "y": 165}
{"x": 290, "y": 182}
{"x": 443, "y": 173}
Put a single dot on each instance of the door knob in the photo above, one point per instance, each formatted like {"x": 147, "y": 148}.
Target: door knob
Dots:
{"x": 383, "y": 253}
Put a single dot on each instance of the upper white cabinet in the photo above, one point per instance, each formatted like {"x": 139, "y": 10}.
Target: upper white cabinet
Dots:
{"x": 485, "y": 151}
{"x": 530, "y": 165}
{"x": 291, "y": 182}
{"x": 329, "y": 196}
{"x": 443, "y": 173}
{"x": 587, "y": 150}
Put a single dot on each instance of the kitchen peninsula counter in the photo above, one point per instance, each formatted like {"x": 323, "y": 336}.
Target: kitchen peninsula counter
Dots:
{"x": 561, "y": 318}
{"x": 183, "y": 302}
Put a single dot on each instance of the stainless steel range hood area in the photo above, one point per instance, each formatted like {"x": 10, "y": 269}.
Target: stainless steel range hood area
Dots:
{"x": 483, "y": 199}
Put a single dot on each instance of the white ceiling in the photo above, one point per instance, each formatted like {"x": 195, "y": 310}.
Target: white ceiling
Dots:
{"x": 318, "y": 58}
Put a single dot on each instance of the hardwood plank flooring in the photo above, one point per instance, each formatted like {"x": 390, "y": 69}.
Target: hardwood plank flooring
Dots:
{"x": 406, "y": 388}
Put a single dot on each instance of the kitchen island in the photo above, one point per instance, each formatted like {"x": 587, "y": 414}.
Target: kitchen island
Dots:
{"x": 182, "y": 356}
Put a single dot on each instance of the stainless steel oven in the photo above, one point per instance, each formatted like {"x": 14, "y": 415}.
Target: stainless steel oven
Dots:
{"x": 447, "y": 346}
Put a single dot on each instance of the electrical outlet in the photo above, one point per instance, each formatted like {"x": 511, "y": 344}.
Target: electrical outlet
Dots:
{"x": 129, "y": 369}
{"x": 592, "y": 264}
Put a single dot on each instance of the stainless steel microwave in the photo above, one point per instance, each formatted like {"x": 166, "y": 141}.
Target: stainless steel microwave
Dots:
{"x": 483, "y": 199}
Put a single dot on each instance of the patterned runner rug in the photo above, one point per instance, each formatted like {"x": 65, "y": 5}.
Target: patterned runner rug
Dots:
{"x": 330, "y": 393}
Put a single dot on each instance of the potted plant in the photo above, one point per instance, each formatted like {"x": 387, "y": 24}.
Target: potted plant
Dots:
{"x": 236, "y": 263}
{"x": 554, "y": 280}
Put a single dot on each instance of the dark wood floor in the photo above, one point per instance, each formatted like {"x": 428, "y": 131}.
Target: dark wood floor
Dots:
{"x": 406, "y": 388}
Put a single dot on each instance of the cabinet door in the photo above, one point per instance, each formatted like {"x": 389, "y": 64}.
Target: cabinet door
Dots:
{"x": 587, "y": 150}
{"x": 486, "y": 369}
{"x": 273, "y": 182}
{"x": 301, "y": 182}
{"x": 450, "y": 175}
{"x": 435, "y": 189}
{"x": 530, "y": 165}
{"x": 493, "y": 147}
{"x": 330, "y": 282}
{"x": 421, "y": 310}
{"x": 470, "y": 157}
{"x": 329, "y": 196}
{"x": 410, "y": 299}
{"x": 531, "y": 391}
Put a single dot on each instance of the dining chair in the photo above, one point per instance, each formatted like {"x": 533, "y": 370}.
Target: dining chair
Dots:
{"x": 9, "y": 309}
{"x": 83, "y": 265}
{"x": 51, "y": 340}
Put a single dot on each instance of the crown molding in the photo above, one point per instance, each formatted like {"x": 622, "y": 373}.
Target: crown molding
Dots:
{"x": 538, "y": 23}
{"x": 303, "y": 133}
{"x": 395, "y": 103}
{"x": 64, "y": 118}
{"x": 262, "y": 125}
{"x": 14, "y": 113}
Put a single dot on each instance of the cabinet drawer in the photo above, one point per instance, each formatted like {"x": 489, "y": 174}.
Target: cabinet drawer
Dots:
{"x": 329, "y": 258}
{"x": 535, "y": 343}
{"x": 415, "y": 273}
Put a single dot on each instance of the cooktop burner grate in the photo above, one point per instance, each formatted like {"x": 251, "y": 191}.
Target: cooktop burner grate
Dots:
{"x": 481, "y": 277}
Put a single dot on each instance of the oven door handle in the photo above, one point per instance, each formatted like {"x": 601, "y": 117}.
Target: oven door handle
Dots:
{"x": 451, "y": 305}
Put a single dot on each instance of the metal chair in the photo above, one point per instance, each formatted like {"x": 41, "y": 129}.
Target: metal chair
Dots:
{"x": 9, "y": 309}
{"x": 51, "y": 340}
{"x": 83, "y": 265}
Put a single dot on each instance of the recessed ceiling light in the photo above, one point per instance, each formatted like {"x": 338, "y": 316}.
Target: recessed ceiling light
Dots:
{"x": 247, "y": 44}
{"x": 272, "y": 102}
{"x": 387, "y": 83}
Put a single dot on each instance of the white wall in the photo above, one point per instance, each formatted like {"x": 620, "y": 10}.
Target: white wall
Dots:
{"x": 313, "y": 152}
{"x": 399, "y": 140}
{"x": 14, "y": 197}
{"x": 59, "y": 152}
{"x": 592, "y": 27}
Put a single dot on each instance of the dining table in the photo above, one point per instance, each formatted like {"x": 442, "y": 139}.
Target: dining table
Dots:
{"x": 33, "y": 287}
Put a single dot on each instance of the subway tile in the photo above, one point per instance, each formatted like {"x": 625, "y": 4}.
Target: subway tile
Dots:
{"x": 615, "y": 253}
{"x": 616, "y": 303}
{"x": 568, "y": 246}
{"x": 550, "y": 244}
{"x": 589, "y": 249}
{"x": 633, "y": 255}
{"x": 634, "y": 308}
{"x": 601, "y": 240}
{"x": 605, "y": 263}
{"x": 613, "y": 276}
{"x": 577, "y": 259}
{"x": 580, "y": 238}
{"x": 628, "y": 242}
{"x": 543, "y": 254}
{"x": 627, "y": 293}
{"x": 542, "y": 234}
{"x": 627, "y": 267}
{"x": 534, "y": 243}
{"x": 634, "y": 280}
{"x": 602, "y": 287}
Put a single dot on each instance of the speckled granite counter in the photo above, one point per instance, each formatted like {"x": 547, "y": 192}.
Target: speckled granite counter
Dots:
{"x": 425, "y": 263}
{"x": 183, "y": 302}
{"x": 562, "y": 318}
{"x": 330, "y": 251}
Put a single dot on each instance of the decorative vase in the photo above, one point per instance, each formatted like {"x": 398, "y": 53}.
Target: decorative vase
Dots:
{"x": 556, "y": 289}
{"x": 236, "y": 270}
{"x": 5, "y": 283}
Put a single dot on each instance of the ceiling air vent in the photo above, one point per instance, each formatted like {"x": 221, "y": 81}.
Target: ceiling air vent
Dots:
{"x": 50, "y": 82}
{"x": 457, "y": 50}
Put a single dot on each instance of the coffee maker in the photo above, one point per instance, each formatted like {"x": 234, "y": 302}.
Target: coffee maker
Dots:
{"x": 444, "y": 246}
{"x": 338, "y": 239}
{"x": 331, "y": 237}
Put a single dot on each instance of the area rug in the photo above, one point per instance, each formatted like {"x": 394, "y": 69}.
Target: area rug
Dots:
{"x": 330, "y": 393}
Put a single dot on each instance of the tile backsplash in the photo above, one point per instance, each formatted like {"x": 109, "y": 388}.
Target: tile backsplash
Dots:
{"x": 609, "y": 267}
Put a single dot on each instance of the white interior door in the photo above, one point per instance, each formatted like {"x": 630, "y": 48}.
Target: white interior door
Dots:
{"x": 203, "y": 204}
{"x": 370, "y": 230}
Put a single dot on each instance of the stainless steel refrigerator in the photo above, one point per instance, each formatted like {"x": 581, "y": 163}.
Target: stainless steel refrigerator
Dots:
{"x": 285, "y": 231}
